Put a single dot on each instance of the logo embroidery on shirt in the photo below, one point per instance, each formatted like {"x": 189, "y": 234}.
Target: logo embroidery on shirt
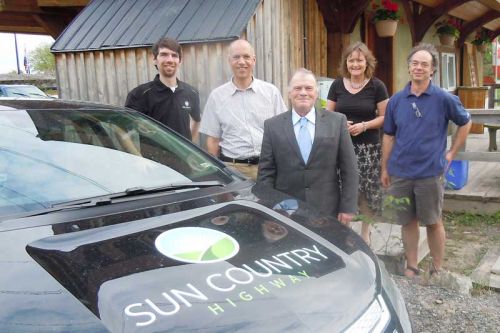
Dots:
{"x": 186, "y": 105}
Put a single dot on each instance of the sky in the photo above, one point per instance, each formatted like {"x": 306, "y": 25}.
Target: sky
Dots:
{"x": 8, "y": 50}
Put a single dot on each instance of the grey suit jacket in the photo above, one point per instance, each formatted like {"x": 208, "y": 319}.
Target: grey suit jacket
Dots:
{"x": 317, "y": 181}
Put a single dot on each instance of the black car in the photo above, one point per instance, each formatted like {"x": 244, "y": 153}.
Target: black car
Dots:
{"x": 110, "y": 221}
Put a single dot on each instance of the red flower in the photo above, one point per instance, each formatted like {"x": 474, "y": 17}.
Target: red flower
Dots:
{"x": 388, "y": 11}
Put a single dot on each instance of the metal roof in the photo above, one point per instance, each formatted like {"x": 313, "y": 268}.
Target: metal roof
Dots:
{"x": 115, "y": 24}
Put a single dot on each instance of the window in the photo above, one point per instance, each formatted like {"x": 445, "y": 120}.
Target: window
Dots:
{"x": 448, "y": 71}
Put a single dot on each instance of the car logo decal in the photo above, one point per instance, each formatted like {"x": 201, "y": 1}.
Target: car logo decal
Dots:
{"x": 197, "y": 245}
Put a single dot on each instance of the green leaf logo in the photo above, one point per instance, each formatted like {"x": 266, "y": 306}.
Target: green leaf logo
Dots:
{"x": 197, "y": 245}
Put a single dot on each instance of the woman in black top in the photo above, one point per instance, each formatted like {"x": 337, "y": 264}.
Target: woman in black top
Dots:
{"x": 363, "y": 99}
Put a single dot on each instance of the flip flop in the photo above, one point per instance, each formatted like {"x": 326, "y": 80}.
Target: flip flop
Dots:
{"x": 415, "y": 271}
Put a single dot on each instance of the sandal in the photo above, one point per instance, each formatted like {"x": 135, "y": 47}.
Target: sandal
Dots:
{"x": 433, "y": 270}
{"x": 414, "y": 271}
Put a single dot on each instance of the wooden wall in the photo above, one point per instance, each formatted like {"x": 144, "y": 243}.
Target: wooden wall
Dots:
{"x": 316, "y": 39}
{"x": 108, "y": 76}
{"x": 279, "y": 30}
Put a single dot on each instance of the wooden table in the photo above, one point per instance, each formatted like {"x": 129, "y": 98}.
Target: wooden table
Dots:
{"x": 492, "y": 117}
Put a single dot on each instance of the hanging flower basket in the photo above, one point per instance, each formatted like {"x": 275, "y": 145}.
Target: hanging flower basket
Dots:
{"x": 386, "y": 18}
{"x": 447, "y": 40}
{"x": 482, "y": 39}
{"x": 448, "y": 31}
{"x": 481, "y": 48}
{"x": 386, "y": 28}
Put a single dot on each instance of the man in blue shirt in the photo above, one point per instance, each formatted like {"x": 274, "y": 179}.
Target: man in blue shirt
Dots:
{"x": 414, "y": 156}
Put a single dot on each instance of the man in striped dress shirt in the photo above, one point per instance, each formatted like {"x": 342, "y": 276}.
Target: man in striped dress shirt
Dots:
{"x": 233, "y": 118}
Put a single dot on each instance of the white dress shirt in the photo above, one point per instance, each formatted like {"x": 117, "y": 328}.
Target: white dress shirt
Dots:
{"x": 236, "y": 116}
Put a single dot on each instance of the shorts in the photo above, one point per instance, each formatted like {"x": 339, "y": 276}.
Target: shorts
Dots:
{"x": 425, "y": 196}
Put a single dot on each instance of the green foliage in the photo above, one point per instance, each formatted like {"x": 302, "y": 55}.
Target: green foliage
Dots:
{"x": 391, "y": 205}
{"x": 42, "y": 60}
{"x": 448, "y": 27}
{"x": 397, "y": 204}
{"x": 470, "y": 219}
{"x": 482, "y": 37}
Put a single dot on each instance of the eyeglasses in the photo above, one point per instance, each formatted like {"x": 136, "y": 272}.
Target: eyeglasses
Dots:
{"x": 414, "y": 106}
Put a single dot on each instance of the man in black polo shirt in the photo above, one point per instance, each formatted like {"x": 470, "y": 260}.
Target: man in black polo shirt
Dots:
{"x": 166, "y": 98}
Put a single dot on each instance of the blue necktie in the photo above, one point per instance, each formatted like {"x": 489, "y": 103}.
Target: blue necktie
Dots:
{"x": 304, "y": 140}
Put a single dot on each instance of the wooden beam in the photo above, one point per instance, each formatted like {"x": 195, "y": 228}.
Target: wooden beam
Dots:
{"x": 17, "y": 20}
{"x": 336, "y": 43}
{"x": 496, "y": 33}
{"x": 14, "y": 6}
{"x": 53, "y": 25}
{"x": 409, "y": 16}
{"x": 62, "y": 3}
{"x": 22, "y": 29}
{"x": 341, "y": 16}
{"x": 468, "y": 28}
{"x": 421, "y": 18}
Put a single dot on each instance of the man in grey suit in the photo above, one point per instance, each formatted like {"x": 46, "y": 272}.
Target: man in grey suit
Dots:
{"x": 303, "y": 148}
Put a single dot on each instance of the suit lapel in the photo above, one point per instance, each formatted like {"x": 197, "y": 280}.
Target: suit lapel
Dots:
{"x": 290, "y": 135}
{"x": 319, "y": 132}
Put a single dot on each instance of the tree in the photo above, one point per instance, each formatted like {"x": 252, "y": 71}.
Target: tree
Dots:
{"x": 42, "y": 60}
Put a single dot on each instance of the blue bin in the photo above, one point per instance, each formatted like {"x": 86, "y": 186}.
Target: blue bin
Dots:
{"x": 457, "y": 175}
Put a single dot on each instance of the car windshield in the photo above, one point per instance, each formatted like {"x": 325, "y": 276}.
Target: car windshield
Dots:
{"x": 54, "y": 156}
{"x": 24, "y": 91}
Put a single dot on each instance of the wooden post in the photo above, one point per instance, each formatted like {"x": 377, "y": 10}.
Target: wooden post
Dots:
{"x": 336, "y": 43}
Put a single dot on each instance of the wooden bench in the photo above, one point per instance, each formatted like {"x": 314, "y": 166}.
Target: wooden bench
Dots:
{"x": 492, "y": 131}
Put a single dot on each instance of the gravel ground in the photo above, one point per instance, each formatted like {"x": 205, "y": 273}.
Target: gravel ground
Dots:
{"x": 435, "y": 309}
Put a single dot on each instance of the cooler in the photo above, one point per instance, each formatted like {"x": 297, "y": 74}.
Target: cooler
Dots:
{"x": 457, "y": 174}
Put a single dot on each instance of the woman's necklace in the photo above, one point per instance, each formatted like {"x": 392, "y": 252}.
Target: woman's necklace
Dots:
{"x": 357, "y": 85}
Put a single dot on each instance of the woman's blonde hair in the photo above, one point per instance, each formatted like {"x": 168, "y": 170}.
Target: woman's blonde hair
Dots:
{"x": 371, "y": 62}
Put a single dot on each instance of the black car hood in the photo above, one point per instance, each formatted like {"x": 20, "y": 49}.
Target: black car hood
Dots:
{"x": 246, "y": 263}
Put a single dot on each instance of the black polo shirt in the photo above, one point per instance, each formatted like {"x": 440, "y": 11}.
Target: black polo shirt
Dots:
{"x": 170, "y": 108}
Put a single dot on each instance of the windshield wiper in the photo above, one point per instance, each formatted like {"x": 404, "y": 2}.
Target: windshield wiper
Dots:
{"x": 134, "y": 191}
{"x": 20, "y": 94}
{"x": 37, "y": 94}
{"x": 108, "y": 199}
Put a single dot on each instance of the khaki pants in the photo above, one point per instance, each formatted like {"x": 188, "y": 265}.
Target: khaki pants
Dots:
{"x": 249, "y": 170}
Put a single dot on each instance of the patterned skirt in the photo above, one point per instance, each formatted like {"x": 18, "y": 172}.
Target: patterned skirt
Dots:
{"x": 369, "y": 174}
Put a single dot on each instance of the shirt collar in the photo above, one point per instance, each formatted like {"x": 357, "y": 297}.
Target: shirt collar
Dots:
{"x": 310, "y": 116}
{"x": 234, "y": 88}
{"x": 160, "y": 86}
{"x": 430, "y": 89}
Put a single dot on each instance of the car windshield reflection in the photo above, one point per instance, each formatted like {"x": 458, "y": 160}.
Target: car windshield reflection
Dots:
{"x": 51, "y": 156}
{"x": 18, "y": 90}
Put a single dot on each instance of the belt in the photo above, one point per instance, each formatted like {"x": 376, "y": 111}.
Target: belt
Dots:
{"x": 251, "y": 160}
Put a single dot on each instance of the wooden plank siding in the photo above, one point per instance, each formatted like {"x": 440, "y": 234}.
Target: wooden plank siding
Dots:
{"x": 276, "y": 30}
{"x": 108, "y": 76}
{"x": 316, "y": 39}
